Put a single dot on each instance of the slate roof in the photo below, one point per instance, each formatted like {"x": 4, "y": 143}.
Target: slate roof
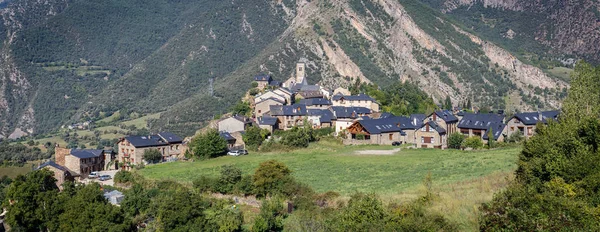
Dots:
{"x": 496, "y": 129}
{"x": 359, "y": 97}
{"x": 271, "y": 98}
{"x": 310, "y": 88}
{"x": 435, "y": 126}
{"x": 480, "y": 121}
{"x": 263, "y": 77}
{"x": 149, "y": 141}
{"x": 170, "y": 137}
{"x": 275, "y": 83}
{"x": 417, "y": 120}
{"x": 532, "y": 118}
{"x": 52, "y": 164}
{"x": 405, "y": 123}
{"x": 290, "y": 110}
{"x": 447, "y": 116}
{"x": 315, "y": 101}
{"x": 347, "y": 112}
{"x": 86, "y": 153}
{"x": 386, "y": 115}
{"x": 382, "y": 125}
{"x": 325, "y": 116}
{"x": 310, "y": 94}
{"x": 225, "y": 135}
{"x": 266, "y": 120}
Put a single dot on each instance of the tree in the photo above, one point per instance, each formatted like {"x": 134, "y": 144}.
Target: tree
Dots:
{"x": 208, "y": 145}
{"x": 123, "y": 176}
{"x": 152, "y": 155}
{"x": 448, "y": 103}
{"x": 270, "y": 177}
{"x": 299, "y": 136}
{"x": 230, "y": 176}
{"x": 491, "y": 141}
{"x": 469, "y": 106}
{"x": 516, "y": 137}
{"x": 270, "y": 217}
{"x": 241, "y": 108}
{"x": 455, "y": 140}
{"x": 253, "y": 138}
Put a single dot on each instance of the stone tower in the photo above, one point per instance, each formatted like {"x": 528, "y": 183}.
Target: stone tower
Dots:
{"x": 301, "y": 73}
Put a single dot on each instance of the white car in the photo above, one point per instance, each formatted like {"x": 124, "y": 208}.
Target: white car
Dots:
{"x": 93, "y": 175}
{"x": 237, "y": 152}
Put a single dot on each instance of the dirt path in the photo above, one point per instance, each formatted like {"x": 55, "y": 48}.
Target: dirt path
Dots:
{"x": 377, "y": 152}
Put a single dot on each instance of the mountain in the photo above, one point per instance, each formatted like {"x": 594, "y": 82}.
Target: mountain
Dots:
{"x": 71, "y": 60}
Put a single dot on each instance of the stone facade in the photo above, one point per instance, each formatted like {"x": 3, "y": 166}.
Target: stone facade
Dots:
{"x": 516, "y": 126}
{"x": 129, "y": 155}
{"x": 263, "y": 107}
{"x": 232, "y": 124}
{"x": 374, "y": 106}
{"x": 427, "y": 137}
{"x": 77, "y": 165}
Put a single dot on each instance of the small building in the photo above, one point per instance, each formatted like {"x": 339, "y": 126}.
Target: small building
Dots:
{"x": 115, "y": 197}
{"x": 307, "y": 91}
{"x": 345, "y": 116}
{"x": 230, "y": 139}
{"x": 431, "y": 135}
{"x": 525, "y": 123}
{"x": 61, "y": 173}
{"x": 444, "y": 119}
{"x": 263, "y": 107}
{"x": 341, "y": 91}
{"x": 316, "y": 103}
{"x": 290, "y": 115}
{"x": 80, "y": 161}
{"x": 234, "y": 123}
{"x": 286, "y": 94}
{"x": 263, "y": 81}
{"x": 271, "y": 94}
{"x": 269, "y": 123}
{"x": 320, "y": 118}
{"x": 132, "y": 148}
{"x": 360, "y": 100}
{"x": 375, "y": 131}
{"x": 478, "y": 125}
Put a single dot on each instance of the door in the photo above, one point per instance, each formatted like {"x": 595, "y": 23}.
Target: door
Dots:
{"x": 391, "y": 136}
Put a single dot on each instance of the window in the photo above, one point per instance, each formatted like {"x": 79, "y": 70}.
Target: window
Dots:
{"x": 512, "y": 128}
{"x": 259, "y": 111}
{"x": 423, "y": 129}
{"x": 300, "y": 69}
{"x": 422, "y": 139}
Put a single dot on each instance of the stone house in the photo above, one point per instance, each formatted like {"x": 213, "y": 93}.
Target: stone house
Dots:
{"x": 269, "y": 123}
{"x": 61, "y": 173}
{"x": 263, "y": 107}
{"x": 316, "y": 103}
{"x": 344, "y": 116}
{"x": 80, "y": 161}
{"x": 132, "y": 148}
{"x": 273, "y": 94}
{"x": 263, "y": 81}
{"x": 478, "y": 125}
{"x": 285, "y": 93}
{"x": 234, "y": 124}
{"x": 230, "y": 139}
{"x": 375, "y": 131}
{"x": 444, "y": 119}
{"x": 360, "y": 100}
{"x": 341, "y": 91}
{"x": 431, "y": 135}
{"x": 289, "y": 116}
{"x": 525, "y": 123}
{"x": 320, "y": 118}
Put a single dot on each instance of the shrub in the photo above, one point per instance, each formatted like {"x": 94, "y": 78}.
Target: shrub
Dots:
{"x": 253, "y": 91}
{"x": 270, "y": 217}
{"x": 270, "y": 178}
{"x": 455, "y": 140}
{"x": 253, "y": 138}
{"x": 205, "y": 184}
{"x": 152, "y": 155}
{"x": 473, "y": 142}
{"x": 244, "y": 186}
{"x": 516, "y": 137}
{"x": 230, "y": 176}
{"x": 254, "y": 84}
{"x": 208, "y": 145}
{"x": 123, "y": 177}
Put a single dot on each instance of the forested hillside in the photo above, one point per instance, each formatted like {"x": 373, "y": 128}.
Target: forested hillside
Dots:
{"x": 71, "y": 60}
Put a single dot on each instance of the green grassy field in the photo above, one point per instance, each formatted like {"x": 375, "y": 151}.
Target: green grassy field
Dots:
{"x": 142, "y": 121}
{"x": 14, "y": 171}
{"x": 329, "y": 167}
{"x": 560, "y": 72}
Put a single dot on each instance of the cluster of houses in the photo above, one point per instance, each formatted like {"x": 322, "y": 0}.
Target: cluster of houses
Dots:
{"x": 357, "y": 118}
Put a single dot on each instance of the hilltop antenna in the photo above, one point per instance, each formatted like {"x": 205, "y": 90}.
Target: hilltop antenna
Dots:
{"x": 210, "y": 86}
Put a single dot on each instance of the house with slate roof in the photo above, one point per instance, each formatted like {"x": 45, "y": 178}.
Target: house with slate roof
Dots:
{"x": 431, "y": 135}
{"x": 345, "y": 116}
{"x": 316, "y": 103}
{"x": 320, "y": 118}
{"x": 81, "y": 162}
{"x": 229, "y": 138}
{"x": 478, "y": 125}
{"x": 263, "y": 107}
{"x": 263, "y": 81}
{"x": 61, "y": 173}
{"x": 444, "y": 119}
{"x": 270, "y": 94}
{"x": 289, "y": 115}
{"x": 382, "y": 131}
{"x": 268, "y": 123}
{"x": 132, "y": 148}
{"x": 526, "y": 122}
{"x": 360, "y": 100}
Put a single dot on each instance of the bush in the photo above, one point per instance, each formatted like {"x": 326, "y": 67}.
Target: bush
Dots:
{"x": 205, "y": 184}
{"x": 123, "y": 177}
{"x": 298, "y": 136}
{"x": 152, "y": 155}
{"x": 516, "y": 137}
{"x": 208, "y": 145}
{"x": 244, "y": 186}
{"x": 270, "y": 217}
{"x": 323, "y": 132}
{"x": 253, "y": 91}
{"x": 253, "y": 138}
{"x": 473, "y": 142}
{"x": 230, "y": 176}
{"x": 455, "y": 140}
{"x": 271, "y": 177}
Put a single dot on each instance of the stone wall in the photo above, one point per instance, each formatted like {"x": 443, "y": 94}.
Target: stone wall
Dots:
{"x": 59, "y": 155}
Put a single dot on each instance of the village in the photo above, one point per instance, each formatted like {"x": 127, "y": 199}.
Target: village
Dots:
{"x": 356, "y": 119}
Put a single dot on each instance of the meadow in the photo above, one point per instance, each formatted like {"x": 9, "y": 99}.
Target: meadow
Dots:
{"x": 332, "y": 167}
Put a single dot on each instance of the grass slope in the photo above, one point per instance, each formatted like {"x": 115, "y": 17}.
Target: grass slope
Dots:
{"x": 328, "y": 167}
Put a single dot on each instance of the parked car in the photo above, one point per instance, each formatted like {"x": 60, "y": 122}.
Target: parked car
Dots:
{"x": 105, "y": 177}
{"x": 396, "y": 143}
{"x": 93, "y": 175}
{"x": 237, "y": 152}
